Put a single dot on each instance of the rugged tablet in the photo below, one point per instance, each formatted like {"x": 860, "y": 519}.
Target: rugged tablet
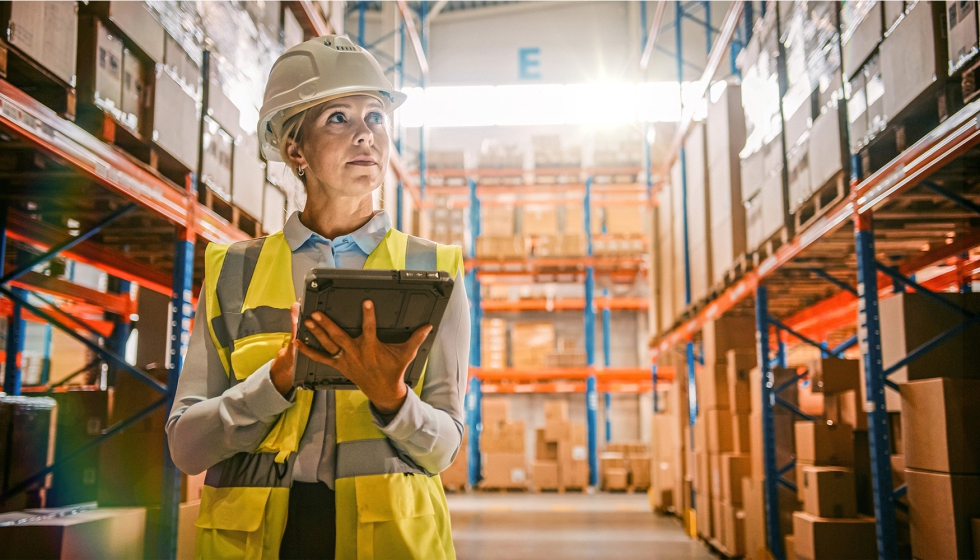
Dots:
{"x": 404, "y": 300}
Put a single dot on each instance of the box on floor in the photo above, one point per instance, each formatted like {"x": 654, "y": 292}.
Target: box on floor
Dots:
{"x": 105, "y": 533}
{"x": 818, "y": 538}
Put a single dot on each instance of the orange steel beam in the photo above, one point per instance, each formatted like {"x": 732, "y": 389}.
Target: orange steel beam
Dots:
{"x": 947, "y": 142}
{"x": 563, "y": 304}
{"x": 565, "y": 387}
{"x": 27, "y": 118}
{"x": 120, "y": 304}
{"x": 571, "y": 373}
{"x": 44, "y": 236}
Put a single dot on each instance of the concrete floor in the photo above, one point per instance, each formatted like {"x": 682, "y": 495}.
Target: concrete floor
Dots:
{"x": 568, "y": 526}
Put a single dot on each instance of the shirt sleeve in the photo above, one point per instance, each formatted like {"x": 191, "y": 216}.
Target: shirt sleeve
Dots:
{"x": 428, "y": 429}
{"x": 212, "y": 420}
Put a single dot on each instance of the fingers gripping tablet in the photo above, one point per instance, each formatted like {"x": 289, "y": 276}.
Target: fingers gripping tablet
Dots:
{"x": 404, "y": 300}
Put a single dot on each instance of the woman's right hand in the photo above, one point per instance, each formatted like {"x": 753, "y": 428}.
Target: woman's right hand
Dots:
{"x": 282, "y": 367}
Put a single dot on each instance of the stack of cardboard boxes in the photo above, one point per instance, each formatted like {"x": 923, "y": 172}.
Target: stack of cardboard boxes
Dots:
{"x": 532, "y": 343}
{"x": 493, "y": 342}
{"x": 720, "y": 456}
{"x": 560, "y": 455}
{"x": 447, "y": 225}
{"x": 568, "y": 355}
{"x": 667, "y": 449}
{"x": 829, "y": 526}
{"x": 626, "y": 466}
{"x": 497, "y": 235}
{"x": 502, "y": 447}
{"x": 942, "y": 466}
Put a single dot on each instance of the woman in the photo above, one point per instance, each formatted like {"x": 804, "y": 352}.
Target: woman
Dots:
{"x": 293, "y": 473}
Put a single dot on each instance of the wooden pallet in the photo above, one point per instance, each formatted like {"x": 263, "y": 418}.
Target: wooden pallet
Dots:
{"x": 770, "y": 246}
{"x": 825, "y": 198}
{"x": 616, "y": 179}
{"x": 504, "y": 490}
{"x": 743, "y": 263}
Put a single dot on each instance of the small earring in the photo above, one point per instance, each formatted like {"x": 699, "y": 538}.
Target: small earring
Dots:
{"x": 301, "y": 172}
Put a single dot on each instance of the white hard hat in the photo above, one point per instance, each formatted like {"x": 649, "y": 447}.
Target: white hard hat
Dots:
{"x": 315, "y": 71}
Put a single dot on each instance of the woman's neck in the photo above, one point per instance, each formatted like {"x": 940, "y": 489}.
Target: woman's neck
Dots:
{"x": 332, "y": 217}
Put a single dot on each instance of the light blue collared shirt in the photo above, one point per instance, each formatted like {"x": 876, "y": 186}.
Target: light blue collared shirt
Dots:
{"x": 212, "y": 420}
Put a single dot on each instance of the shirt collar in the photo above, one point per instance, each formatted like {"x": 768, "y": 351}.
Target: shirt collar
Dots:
{"x": 367, "y": 237}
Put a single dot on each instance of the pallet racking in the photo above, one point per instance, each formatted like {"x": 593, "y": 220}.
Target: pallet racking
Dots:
{"x": 918, "y": 212}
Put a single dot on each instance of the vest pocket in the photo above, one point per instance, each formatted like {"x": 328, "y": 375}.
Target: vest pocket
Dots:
{"x": 254, "y": 351}
{"x": 240, "y": 522}
{"x": 396, "y": 518}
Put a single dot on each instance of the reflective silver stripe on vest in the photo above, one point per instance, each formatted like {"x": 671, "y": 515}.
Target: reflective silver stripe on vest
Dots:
{"x": 420, "y": 254}
{"x": 231, "y": 287}
{"x": 252, "y": 470}
{"x": 371, "y": 456}
{"x": 264, "y": 319}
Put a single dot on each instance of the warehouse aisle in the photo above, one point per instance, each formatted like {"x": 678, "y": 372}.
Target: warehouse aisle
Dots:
{"x": 568, "y": 526}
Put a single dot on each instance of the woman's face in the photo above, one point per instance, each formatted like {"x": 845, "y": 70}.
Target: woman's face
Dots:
{"x": 345, "y": 146}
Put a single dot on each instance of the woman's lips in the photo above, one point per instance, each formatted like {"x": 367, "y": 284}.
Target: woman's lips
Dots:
{"x": 363, "y": 160}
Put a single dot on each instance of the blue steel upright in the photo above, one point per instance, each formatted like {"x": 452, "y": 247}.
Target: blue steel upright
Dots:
{"x": 182, "y": 311}
{"x": 607, "y": 361}
{"x": 682, "y": 156}
{"x": 869, "y": 329}
{"x": 591, "y": 394}
{"x": 775, "y": 537}
{"x": 474, "y": 396}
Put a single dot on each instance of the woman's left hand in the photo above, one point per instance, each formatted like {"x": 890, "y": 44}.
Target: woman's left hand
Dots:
{"x": 377, "y": 368}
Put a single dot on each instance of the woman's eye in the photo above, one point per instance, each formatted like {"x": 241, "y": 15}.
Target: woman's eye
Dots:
{"x": 336, "y": 118}
{"x": 376, "y": 118}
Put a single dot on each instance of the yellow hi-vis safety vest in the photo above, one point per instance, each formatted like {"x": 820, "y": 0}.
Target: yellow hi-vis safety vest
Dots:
{"x": 387, "y": 508}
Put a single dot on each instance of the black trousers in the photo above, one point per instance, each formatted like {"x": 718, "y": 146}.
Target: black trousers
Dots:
{"x": 311, "y": 527}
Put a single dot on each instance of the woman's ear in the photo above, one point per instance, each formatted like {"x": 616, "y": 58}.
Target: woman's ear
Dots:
{"x": 294, "y": 154}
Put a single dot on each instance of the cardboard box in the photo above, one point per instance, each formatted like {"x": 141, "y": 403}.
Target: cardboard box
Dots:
{"x": 544, "y": 474}
{"x": 941, "y": 507}
{"x": 503, "y": 438}
{"x": 909, "y": 320}
{"x": 740, "y": 365}
{"x": 733, "y": 469}
{"x": 717, "y": 521}
{"x": 789, "y": 547}
{"x": 577, "y": 476}
{"x": 104, "y": 533}
{"x": 733, "y": 529}
{"x": 833, "y": 539}
{"x": 495, "y": 411}
{"x": 615, "y": 479}
{"x": 556, "y": 409}
{"x": 504, "y": 470}
{"x": 753, "y": 496}
{"x": 714, "y": 475}
{"x": 640, "y": 467}
{"x": 719, "y": 431}
{"x": 824, "y": 444}
{"x": 705, "y": 519}
{"x": 846, "y": 408}
{"x": 940, "y": 425}
{"x": 835, "y": 376}
{"x": 502, "y": 247}
{"x": 712, "y": 387}
{"x": 724, "y": 334}
{"x": 828, "y": 491}
{"x": 741, "y": 433}
{"x": 557, "y": 430}
{"x": 545, "y": 450}
{"x": 702, "y": 472}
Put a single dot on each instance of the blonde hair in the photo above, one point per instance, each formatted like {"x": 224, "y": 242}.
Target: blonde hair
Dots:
{"x": 292, "y": 129}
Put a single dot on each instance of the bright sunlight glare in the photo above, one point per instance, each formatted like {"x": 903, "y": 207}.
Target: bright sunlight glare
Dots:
{"x": 548, "y": 104}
